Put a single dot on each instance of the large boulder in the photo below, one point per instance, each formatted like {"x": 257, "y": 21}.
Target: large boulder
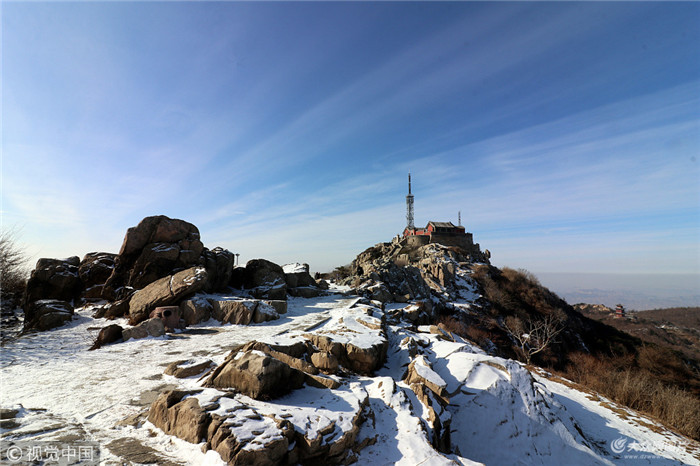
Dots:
{"x": 155, "y": 248}
{"x": 187, "y": 368}
{"x": 195, "y": 310}
{"x": 219, "y": 264}
{"x": 96, "y": 268}
{"x": 326, "y": 362}
{"x": 299, "y": 282}
{"x": 239, "y": 436}
{"x": 184, "y": 419}
{"x": 356, "y": 338}
{"x": 265, "y": 279}
{"x": 264, "y": 312}
{"x": 148, "y": 328}
{"x": 261, "y": 272}
{"x": 46, "y": 314}
{"x": 107, "y": 335}
{"x": 257, "y": 375}
{"x": 276, "y": 293}
{"x": 238, "y": 312}
{"x": 298, "y": 275}
{"x": 166, "y": 291}
{"x": 421, "y": 372}
{"x": 294, "y": 431}
{"x": 53, "y": 279}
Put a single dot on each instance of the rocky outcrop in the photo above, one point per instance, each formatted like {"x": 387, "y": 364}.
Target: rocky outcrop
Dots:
{"x": 113, "y": 310}
{"x": 187, "y": 368}
{"x": 286, "y": 432}
{"x": 260, "y": 371}
{"x": 318, "y": 424}
{"x": 165, "y": 291}
{"x": 257, "y": 375}
{"x": 326, "y": 362}
{"x": 285, "y": 355}
{"x": 265, "y": 280}
{"x": 196, "y": 310}
{"x": 184, "y": 419}
{"x": 264, "y": 312}
{"x": 155, "y": 248}
{"x": 420, "y": 372}
{"x": 148, "y": 328}
{"x": 418, "y": 313}
{"x": 401, "y": 272}
{"x": 94, "y": 270}
{"x": 299, "y": 282}
{"x": 357, "y": 339}
{"x": 107, "y": 335}
{"x": 53, "y": 279}
{"x": 219, "y": 264}
{"x": 46, "y": 314}
{"x": 239, "y": 312}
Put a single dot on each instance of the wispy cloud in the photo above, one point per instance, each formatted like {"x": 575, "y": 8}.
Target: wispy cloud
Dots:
{"x": 293, "y": 133}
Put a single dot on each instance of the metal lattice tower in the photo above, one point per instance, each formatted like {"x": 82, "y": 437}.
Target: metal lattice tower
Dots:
{"x": 409, "y": 206}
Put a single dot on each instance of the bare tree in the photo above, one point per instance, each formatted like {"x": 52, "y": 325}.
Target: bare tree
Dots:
{"x": 13, "y": 260}
{"x": 534, "y": 335}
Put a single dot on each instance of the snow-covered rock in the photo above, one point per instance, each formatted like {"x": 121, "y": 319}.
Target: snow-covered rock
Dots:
{"x": 462, "y": 406}
{"x": 166, "y": 291}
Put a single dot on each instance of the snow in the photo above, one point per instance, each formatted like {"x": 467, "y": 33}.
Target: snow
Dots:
{"x": 424, "y": 370}
{"x": 294, "y": 268}
{"x": 500, "y": 413}
{"x": 163, "y": 247}
{"x": 353, "y": 326}
{"x": 604, "y": 427}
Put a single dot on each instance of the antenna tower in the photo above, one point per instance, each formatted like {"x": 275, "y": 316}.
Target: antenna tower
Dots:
{"x": 409, "y": 206}
{"x": 459, "y": 218}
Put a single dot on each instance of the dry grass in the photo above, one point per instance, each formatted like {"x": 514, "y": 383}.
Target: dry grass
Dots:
{"x": 638, "y": 388}
{"x": 648, "y": 378}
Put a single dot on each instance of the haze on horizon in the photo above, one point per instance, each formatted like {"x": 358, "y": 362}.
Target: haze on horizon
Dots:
{"x": 567, "y": 134}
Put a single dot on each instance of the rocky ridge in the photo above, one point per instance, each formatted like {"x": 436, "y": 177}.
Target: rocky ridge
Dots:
{"x": 329, "y": 384}
{"x": 397, "y": 272}
{"x": 162, "y": 262}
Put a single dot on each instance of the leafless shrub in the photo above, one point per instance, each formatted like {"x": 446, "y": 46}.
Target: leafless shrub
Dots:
{"x": 13, "y": 260}
{"x": 533, "y": 335}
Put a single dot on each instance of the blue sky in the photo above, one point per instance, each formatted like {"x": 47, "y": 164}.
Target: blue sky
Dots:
{"x": 567, "y": 134}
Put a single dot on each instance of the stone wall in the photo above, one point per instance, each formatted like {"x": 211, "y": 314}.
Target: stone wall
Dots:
{"x": 417, "y": 241}
{"x": 463, "y": 241}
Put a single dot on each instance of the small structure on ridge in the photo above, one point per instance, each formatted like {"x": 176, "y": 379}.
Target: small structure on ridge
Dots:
{"x": 619, "y": 311}
{"x": 445, "y": 233}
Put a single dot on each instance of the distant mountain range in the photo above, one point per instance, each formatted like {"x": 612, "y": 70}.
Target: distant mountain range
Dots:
{"x": 634, "y": 291}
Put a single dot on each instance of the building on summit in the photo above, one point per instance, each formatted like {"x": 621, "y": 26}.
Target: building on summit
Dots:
{"x": 445, "y": 233}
